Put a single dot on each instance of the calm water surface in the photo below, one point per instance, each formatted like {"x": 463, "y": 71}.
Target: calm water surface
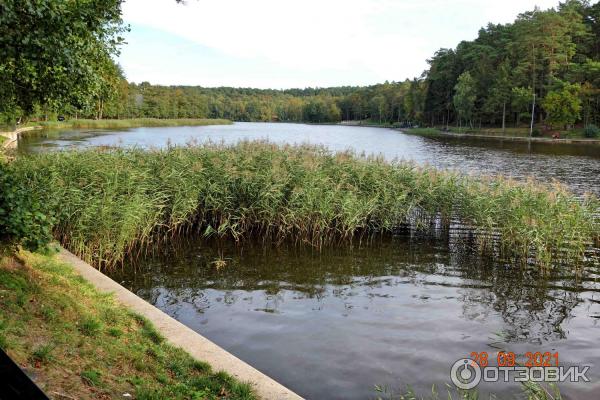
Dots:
{"x": 334, "y": 324}
{"x": 576, "y": 165}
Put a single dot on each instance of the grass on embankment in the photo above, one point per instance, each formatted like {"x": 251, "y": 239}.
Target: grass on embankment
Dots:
{"x": 81, "y": 344}
{"x": 127, "y": 123}
{"x": 107, "y": 204}
{"x": 497, "y": 132}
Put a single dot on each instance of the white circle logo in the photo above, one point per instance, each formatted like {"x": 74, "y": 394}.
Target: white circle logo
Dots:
{"x": 465, "y": 374}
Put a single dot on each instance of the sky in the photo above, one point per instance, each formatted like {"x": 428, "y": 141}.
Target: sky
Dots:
{"x": 302, "y": 43}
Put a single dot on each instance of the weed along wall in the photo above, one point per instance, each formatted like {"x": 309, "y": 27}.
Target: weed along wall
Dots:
{"x": 106, "y": 205}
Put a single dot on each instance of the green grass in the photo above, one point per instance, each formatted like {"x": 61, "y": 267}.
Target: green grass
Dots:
{"x": 110, "y": 204}
{"x": 90, "y": 347}
{"x": 423, "y": 131}
{"x": 522, "y": 132}
{"x": 530, "y": 391}
{"x": 126, "y": 123}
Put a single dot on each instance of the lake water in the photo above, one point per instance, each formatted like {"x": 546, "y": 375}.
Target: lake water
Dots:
{"x": 576, "y": 165}
{"x": 399, "y": 311}
{"x": 333, "y": 324}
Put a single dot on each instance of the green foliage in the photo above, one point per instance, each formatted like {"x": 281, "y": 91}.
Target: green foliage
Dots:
{"x": 56, "y": 53}
{"x": 110, "y": 204}
{"x": 591, "y": 131}
{"x": 490, "y": 79}
{"x": 23, "y": 219}
{"x": 563, "y": 106}
{"x": 129, "y": 123}
{"x": 522, "y": 101}
{"x": 464, "y": 99}
{"x": 394, "y": 102}
{"x": 530, "y": 55}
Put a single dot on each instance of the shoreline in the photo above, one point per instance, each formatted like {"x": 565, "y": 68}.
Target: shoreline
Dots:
{"x": 519, "y": 139}
{"x": 181, "y": 336}
{"x": 13, "y": 137}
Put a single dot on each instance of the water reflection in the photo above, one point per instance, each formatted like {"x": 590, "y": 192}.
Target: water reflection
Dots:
{"x": 351, "y": 318}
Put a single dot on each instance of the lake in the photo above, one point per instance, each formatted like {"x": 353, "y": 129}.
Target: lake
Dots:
{"x": 398, "y": 311}
{"x": 575, "y": 165}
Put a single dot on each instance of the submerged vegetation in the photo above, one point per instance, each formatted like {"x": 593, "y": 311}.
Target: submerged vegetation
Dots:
{"x": 81, "y": 344}
{"x": 107, "y": 204}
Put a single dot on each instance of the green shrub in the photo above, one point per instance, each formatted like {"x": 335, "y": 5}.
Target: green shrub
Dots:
{"x": 23, "y": 217}
{"x": 591, "y": 131}
{"x": 536, "y": 132}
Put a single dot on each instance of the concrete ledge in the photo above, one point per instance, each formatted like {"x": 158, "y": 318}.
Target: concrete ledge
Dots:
{"x": 181, "y": 336}
{"x": 13, "y": 136}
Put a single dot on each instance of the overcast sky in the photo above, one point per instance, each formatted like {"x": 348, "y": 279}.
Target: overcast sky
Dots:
{"x": 301, "y": 43}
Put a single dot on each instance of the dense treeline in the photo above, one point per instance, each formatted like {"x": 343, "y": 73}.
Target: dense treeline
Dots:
{"x": 552, "y": 56}
{"x": 386, "y": 102}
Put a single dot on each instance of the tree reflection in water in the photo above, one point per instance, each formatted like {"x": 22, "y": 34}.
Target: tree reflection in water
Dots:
{"x": 532, "y": 303}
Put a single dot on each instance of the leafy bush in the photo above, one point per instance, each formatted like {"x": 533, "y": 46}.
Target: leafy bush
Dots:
{"x": 591, "y": 131}
{"x": 22, "y": 216}
{"x": 536, "y": 132}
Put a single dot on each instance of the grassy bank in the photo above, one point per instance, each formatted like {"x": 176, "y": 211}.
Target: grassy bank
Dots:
{"x": 80, "y": 344}
{"x": 497, "y": 132}
{"x": 106, "y": 204}
{"x": 127, "y": 123}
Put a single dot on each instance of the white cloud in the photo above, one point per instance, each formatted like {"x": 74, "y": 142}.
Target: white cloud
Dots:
{"x": 379, "y": 39}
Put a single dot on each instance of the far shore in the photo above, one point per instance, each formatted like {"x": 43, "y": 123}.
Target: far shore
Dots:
{"x": 433, "y": 132}
{"x": 128, "y": 123}
{"x": 9, "y": 137}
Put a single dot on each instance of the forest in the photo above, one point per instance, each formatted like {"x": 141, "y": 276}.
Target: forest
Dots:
{"x": 546, "y": 61}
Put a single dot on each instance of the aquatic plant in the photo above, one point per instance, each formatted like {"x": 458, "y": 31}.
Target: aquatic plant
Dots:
{"x": 529, "y": 391}
{"x": 106, "y": 204}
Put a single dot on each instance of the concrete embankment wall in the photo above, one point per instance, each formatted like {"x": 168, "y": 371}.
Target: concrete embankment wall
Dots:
{"x": 13, "y": 136}
{"x": 181, "y": 336}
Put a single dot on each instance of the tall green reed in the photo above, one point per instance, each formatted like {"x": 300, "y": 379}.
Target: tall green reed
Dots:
{"x": 108, "y": 204}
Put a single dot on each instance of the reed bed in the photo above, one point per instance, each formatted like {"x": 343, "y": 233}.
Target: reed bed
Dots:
{"x": 108, "y": 204}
